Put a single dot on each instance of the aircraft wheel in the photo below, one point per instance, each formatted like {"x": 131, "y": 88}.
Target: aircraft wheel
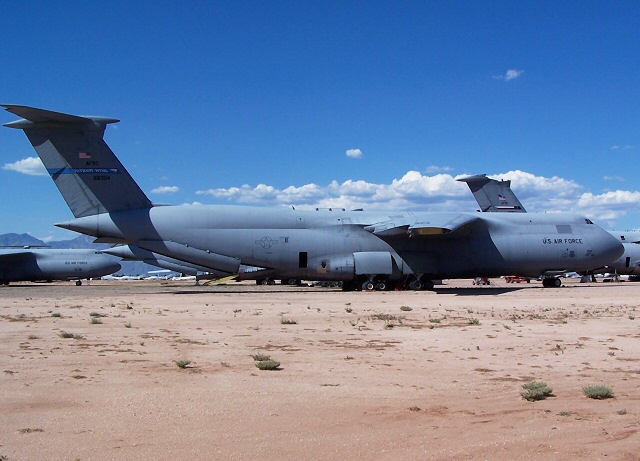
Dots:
{"x": 551, "y": 282}
{"x": 381, "y": 286}
{"x": 416, "y": 285}
{"x": 78, "y": 283}
{"x": 368, "y": 286}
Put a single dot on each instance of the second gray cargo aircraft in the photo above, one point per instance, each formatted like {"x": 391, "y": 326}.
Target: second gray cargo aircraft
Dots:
{"x": 368, "y": 250}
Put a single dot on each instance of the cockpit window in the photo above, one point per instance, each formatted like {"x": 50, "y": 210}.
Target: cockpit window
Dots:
{"x": 588, "y": 221}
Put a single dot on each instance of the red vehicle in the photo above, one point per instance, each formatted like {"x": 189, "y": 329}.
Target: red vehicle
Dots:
{"x": 481, "y": 281}
{"x": 516, "y": 279}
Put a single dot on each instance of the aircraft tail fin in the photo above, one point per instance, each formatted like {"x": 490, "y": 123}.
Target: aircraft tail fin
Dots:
{"x": 493, "y": 195}
{"x": 86, "y": 171}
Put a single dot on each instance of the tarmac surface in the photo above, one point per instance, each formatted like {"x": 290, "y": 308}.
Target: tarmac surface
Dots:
{"x": 90, "y": 372}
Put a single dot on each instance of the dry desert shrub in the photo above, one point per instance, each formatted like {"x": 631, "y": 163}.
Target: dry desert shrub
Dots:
{"x": 183, "y": 363}
{"x": 268, "y": 365}
{"x": 598, "y": 392}
{"x": 536, "y": 390}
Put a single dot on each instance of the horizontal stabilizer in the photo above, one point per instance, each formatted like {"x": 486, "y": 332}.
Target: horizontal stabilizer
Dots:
{"x": 33, "y": 116}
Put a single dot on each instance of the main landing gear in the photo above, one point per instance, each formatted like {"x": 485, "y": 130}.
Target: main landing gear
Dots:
{"x": 379, "y": 285}
{"x": 382, "y": 284}
{"x": 551, "y": 282}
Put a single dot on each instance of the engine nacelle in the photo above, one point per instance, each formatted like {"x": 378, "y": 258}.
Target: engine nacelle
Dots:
{"x": 333, "y": 267}
{"x": 350, "y": 266}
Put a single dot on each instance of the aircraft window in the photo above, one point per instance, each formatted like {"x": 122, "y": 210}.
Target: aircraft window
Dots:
{"x": 588, "y": 221}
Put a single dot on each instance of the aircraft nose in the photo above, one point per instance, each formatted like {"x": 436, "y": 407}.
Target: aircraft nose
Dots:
{"x": 610, "y": 248}
{"x": 114, "y": 267}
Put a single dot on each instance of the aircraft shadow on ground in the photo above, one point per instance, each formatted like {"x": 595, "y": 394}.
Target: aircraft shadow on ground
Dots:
{"x": 473, "y": 291}
{"x": 250, "y": 291}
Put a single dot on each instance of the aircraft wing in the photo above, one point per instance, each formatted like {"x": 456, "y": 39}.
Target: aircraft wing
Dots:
{"x": 7, "y": 256}
{"x": 429, "y": 224}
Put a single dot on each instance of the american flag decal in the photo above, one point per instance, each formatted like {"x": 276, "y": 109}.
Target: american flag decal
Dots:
{"x": 84, "y": 155}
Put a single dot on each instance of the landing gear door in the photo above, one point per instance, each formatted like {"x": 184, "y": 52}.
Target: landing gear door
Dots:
{"x": 373, "y": 262}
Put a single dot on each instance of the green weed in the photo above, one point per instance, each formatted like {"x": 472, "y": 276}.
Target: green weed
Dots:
{"x": 536, "y": 390}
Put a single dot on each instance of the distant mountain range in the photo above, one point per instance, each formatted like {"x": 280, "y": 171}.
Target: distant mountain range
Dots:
{"x": 83, "y": 241}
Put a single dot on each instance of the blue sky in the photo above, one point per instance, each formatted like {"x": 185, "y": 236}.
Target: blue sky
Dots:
{"x": 357, "y": 104}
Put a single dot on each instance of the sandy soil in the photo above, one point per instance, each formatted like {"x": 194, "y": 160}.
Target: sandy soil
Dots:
{"x": 385, "y": 375}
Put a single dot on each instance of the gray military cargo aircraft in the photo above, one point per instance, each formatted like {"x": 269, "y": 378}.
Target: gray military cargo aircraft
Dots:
{"x": 368, "y": 250}
{"x": 496, "y": 196}
{"x": 48, "y": 264}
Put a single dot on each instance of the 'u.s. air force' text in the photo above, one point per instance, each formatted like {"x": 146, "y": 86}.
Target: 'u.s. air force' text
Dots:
{"x": 550, "y": 241}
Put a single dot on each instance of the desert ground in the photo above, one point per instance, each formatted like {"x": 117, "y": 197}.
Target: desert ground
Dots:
{"x": 380, "y": 376}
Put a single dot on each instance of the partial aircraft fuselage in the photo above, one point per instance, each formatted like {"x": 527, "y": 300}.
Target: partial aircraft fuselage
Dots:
{"x": 38, "y": 264}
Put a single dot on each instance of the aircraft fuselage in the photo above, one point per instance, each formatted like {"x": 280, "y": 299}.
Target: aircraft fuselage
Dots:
{"x": 334, "y": 245}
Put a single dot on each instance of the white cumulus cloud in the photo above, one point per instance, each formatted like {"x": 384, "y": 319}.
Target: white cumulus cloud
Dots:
{"x": 510, "y": 74}
{"x": 165, "y": 190}
{"x": 513, "y": 74}
{"x": 354, "y": 153}
{"x": 30, "y": 165}
{"x": 621, "y": 147}
{"x": 415, "y": 191}
{"x": 437, "y": 169}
